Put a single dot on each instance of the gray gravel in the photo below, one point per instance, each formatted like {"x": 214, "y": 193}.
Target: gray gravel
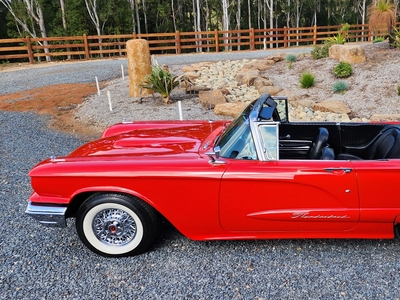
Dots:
{"x": 85, "y": 71}
{"x": 43, "y": 263}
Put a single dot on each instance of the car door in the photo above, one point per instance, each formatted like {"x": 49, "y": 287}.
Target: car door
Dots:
{"x": 289, "y": 196}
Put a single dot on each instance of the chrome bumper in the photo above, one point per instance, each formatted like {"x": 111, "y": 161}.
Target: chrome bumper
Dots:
{"x": 52, "y": 216}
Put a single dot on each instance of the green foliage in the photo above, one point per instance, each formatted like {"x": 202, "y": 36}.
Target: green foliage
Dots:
{"x": 320, "y": 51}
{"x": 291, "y": 58}
{"x": 341, "y": 36}
{"x": 340, "y": 87}
{"x": 342, "y": 70}
{"x": 307, "y": 80}
{"x": 161, "y": 81}
{"x": 378, "y": 39}
{"x": 398, "y": 90}
{"x": 396, "y": 37}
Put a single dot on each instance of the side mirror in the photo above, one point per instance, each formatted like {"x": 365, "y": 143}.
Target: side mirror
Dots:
{"x": 214, "y": 160}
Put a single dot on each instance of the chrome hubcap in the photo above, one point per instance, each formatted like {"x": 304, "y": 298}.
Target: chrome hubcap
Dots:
{"x": 114, "y": 227}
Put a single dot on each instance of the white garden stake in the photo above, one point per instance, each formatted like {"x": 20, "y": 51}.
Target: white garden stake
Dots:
{"x": 180, "y": 110}
{"x": 122, "y": 70}
{"x": 109, "y": 100}
{"x": 97, "y": 84}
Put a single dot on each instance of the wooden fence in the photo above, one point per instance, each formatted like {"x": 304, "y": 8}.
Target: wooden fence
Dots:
{"x": 86, "y": 47}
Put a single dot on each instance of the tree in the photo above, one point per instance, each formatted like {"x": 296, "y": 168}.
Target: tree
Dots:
{"x": 382, "y": 17}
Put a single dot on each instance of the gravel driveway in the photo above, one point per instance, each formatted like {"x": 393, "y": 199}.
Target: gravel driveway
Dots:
{"x": 43, "y": 263}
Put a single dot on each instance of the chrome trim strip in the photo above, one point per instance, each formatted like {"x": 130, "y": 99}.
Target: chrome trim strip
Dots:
{"x": 51, "y": 216}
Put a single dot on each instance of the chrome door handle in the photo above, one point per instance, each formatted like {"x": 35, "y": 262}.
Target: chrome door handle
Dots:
{"x": 345, "y": 170}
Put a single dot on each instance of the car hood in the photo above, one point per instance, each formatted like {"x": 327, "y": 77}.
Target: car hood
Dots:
{"x": 162, "y": 140}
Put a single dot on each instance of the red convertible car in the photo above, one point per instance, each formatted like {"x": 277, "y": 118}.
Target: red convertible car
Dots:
{"x": 257, "y": 177}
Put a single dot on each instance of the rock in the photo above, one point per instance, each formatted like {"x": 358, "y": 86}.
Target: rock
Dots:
{"x": 139, "y": 66}
{"x": 272, "y": 90}
{"x": 195, "y": 89}
{"x": 261, "y": 81}
{"x": 195, "y": 67}
{"x": 260, "y": 65}
{"x": 347, "y": 53}
{"x": 303, "y": 103}
{"x": 276, "y": 57}
{"x": 192, "y": 75}
{"x": 291, "y": 96}
{"x": 232, "y": 109}
{"x": 385, "y": 117}
{"x": 247, "y": 76}
{"x": 225, "y": 92}
{"x": 209, "y": 99}
{"x": 334, "y": 106}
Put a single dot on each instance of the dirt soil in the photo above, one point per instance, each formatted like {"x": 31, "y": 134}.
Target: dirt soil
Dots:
{"x": 60, "y": 101}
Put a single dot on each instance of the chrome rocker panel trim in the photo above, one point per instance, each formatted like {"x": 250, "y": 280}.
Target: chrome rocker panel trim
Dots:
{"x": 51, "y": 216}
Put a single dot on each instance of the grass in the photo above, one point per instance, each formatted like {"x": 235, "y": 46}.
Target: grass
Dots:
{"x": 340, "y": 87}
{"x": 307, "y": 80}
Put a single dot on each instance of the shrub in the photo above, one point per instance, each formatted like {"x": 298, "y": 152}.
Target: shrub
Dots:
{"x": 340, "y": 87}
{"x": 379, "y": 39}
{"x": 395, "y": 38}
{"x": 398, "y": 90}
{"x": 291, "y": 58}
{"x": 320, "y": 51}
{"x": 307, "y": 80}
{"x": 343, "y": 70}
{"x": 341, "y": 37}
{"x": 161, "y": 81}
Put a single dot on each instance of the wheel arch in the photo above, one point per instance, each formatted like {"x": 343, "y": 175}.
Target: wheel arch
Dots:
{"x": 80, "y": 196}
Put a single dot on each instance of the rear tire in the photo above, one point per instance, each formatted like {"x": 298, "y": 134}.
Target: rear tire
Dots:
{"x": 397, "y": 230}
{"x": 116, "y": 225}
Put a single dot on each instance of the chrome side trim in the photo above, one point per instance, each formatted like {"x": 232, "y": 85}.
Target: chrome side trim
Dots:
{"x": 51, "y": 216}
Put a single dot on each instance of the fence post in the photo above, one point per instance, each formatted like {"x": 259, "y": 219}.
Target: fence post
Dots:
{"x": 315, "y": 35}
{"x": 252, "y": 39}
{"x": 178, "y": 41}
{"x": 216, "y": 37}
{"x": 285, "y": 37}
{"x": 134, "y": 35}
{"x": 85, "y": 42}
{"x": 30, "y": 52}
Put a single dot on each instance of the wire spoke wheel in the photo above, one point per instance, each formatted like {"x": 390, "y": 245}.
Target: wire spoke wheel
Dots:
{"x": 116, "y": 225}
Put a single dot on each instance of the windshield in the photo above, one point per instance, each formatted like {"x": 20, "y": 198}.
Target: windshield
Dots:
{"x": 237, "y": 141}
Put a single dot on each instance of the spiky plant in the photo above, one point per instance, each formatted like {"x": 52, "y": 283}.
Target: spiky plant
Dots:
{"x": 161, "y": 81}
{"x": 307, "y": 80}
{"x": 382, "y": 17}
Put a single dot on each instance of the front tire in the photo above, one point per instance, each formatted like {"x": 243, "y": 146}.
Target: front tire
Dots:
{"x": 116, "y": 225}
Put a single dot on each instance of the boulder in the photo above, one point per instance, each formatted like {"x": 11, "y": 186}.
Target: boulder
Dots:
{"x": 209, "y": 99}
{"x": 347, "y": 53}
{"x": 247, "y": 76}
{"x": 385, "y": 117}
{"x": 261, "y": 81}
{"x": 195, "y": 89}
{"x": 272, "y": 90}
{"x": 232, "y": 109}
{"x": 260, "y": 65}
{"x": 276, "y": 57}
{"x": 192, "y": 75}
{"x": 334, "y": 106}
{"x": 291, "y": 96}
{"x": 303, "y": 103}
{"x": 139, "y": 66}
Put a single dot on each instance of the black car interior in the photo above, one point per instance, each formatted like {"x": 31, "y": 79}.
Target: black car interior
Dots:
{"x": 344, "y": 141}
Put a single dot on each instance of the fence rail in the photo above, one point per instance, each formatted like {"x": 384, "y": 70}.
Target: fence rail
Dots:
{"x": 86, "y": 47}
